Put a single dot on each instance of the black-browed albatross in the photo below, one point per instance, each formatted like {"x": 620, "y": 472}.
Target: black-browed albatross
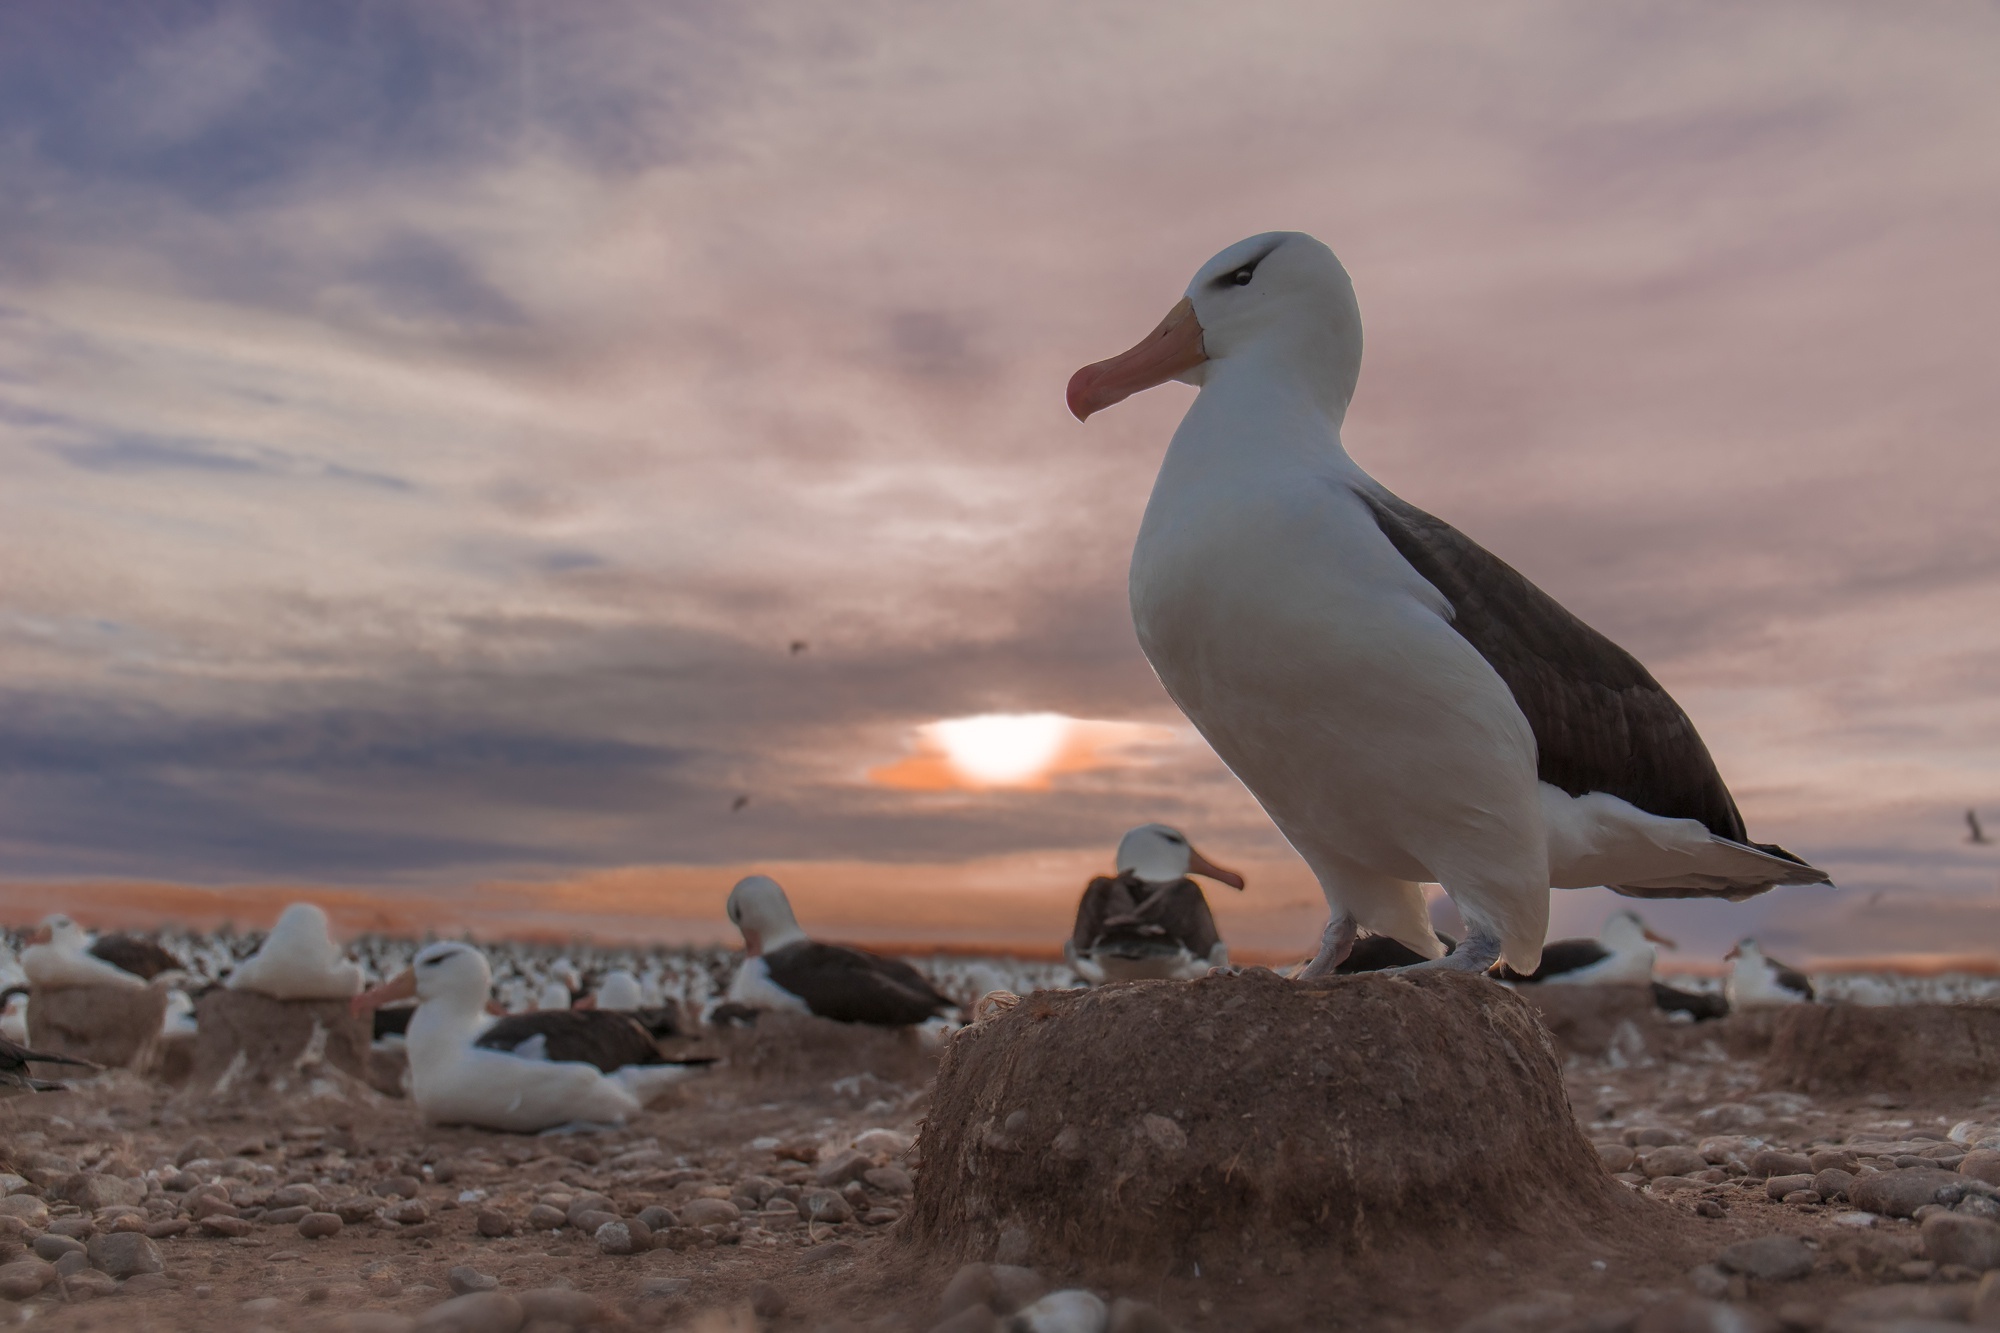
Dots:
{"x": 1149, "y": 920}
{"x": 1403, "y": 704}
{"x": 783, "y": 969}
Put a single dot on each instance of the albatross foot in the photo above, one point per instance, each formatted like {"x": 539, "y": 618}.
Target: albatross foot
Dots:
{"x": 1335, "y": 943}
{"x": 1474, "y": 954}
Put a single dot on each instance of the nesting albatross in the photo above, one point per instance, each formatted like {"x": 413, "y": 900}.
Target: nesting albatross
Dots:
{"x": 1149, "y": 920}
{"x": 1405, "y": 706}
{"x": 784, "y": 969}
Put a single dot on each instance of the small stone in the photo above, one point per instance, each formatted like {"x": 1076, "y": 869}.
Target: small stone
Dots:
{"x": 657, "y": 1218}
{"x": 293, "y": 1196}
{"x": 76, "y": 1228}
{"x": 972, "y": 1285}
{"x": 96, "y": 1189}
{"x": 1777, "y": 1187}
{"x": 1769, "y": 1258}
{"x": 1676, "y": 1159}
{"x": 585, "y": 1205}
{"x": 53, "y": 1247}
{"x": 29, "y": 1209}
{"x": 125, "y": 1254}
{"x": 1831, "y": 1182}
{"x": 1709, "y": 1280}
{"x": 24, "y": 1277}
{"x": 1900, "y": 1193}
{"x": 320, "y": 1226}
{"x": 591, "y": 1219}
{"x": 87, "y": 1284}
{"x": 714, "y": 1212}
{"x": 1653, "y": 1136}
{"x": 1801, "y": 1198}
{"x": 565, "y": 1307}
{"x": 766, "y": 1301}
{"x": 408, "y": 1212}
{"x": 843, "y": 1168}
{"x": 223, "y": 1225}
{"x": 1616, "y": 1157}
{"x": 169, "y": 1227}
{"x": 891, "y": 1180}
{"x": 76, "y": 1261}
{"x": 542, "y": 1217}
{"x": 1978, "y": 1205}
{"x": 1985, "y": 1310}
{"x": 1130, "y": 1316}
{"x": 284, "y": 1217}
{"x": 1771, "y": 1162}
{"x": 623, "y": 1237}
{"x": 1071, "y": 1311}
{"x": 1917, "y": 1270}
{"x": 1952, "y": 1238}
{"x": 147, "y": 1284}
{"x": 465, "y": 1279}
{"x": 406, "y": 1187}
{"x": 195, "y": 1149}
{"x": 825, "y": 1206}
{"x": 476, "y": 1312}
{"x": 1710, "y": 1208}
{"x": 1832, "y": 1159}
{"x": 1981, "y": 1164}
{"x": 877, "y": 1217}
{"x": 357, "y": 1208}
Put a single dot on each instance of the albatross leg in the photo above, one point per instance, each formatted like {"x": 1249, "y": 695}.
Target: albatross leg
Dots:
{"x": 1335, "y": 943}
{"x": 1477, "y": 952}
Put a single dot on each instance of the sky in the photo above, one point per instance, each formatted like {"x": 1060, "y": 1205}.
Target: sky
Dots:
{"x": 428, "y": 430}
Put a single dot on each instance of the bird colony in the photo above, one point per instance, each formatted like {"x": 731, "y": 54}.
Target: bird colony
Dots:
{"x": 385, "y": 1136}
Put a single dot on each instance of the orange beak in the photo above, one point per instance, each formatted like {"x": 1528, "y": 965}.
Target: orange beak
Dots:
{"x": 1201, "y": 865}
{"x": 587, "y": 1002}
{"x": 402, "y": 986}
{"x": 1173, "y": 348}
{"x": 1658, "y": 938}
{"x": 753, "y": 943}
{"x": 42, "y": 935}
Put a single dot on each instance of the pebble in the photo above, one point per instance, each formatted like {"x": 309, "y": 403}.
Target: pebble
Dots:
{"x": 1982, "y": 1164}
{"x": 1777, "y": 1187}
{"x": 320, "y": 1226}
{"x": 76, "y": 1261}
{"x": 1831, "y": 1182}
{"x": 1900, "y": 1193}
{"x": 357, "y": 1208}
{"x": 465, "y": 1279}
{"x": 223, "y": 1225}
{"x": 125, "y": 1254}
{"x": 1653, "y": 1136}
{"x": 24, "y": 1277}
{"x": 542, "y": 1217}
{"x": 147, "y": 1284}
{"x": 657, "y": 1218}
{"x": 825, "y": 1206}
{"x": 87, "y": 1284}
{"x": 53, "y": 1247}
{"x": 1676, "y": 1159}
{"x": 493, "y": 1222}
{"x": 713, "y": 1212}
{"x": 1070, "y": 1311}
{"x": 892, "y": 1180}
{"x": 1616, "y": 1156}
{"x": 1769, "y": 1258}
{"x": 96, "y": 1190}
{"x": 27, "y": 1208}
{"x": 408, "y": 1212}
{"x": 766, "y": 1301}
{"x": 476, "y": 1312}
{"x": 583, "y": 1205}
{"x": 293, "y": 1196}
{"x": 407, "y": 1187}
{"x": 1771, "y": 1162}
{"x": 1978, "y": 1205}
{"x": 623, "y": 1237}
{"x": 284, "y": 1217}
{"x": 76, "y": 1228}
{"x": 1953, "y": 1238}
{"x": 843, "y": 1168}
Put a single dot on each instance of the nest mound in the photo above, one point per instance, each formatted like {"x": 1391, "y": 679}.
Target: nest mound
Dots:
{"x": 114, "y": 1026}
{"x": 1237, "y": 1122}
{"x": 788, "y": 1053}
{"x": 247, "y": 1043}
{"x": 1597, "y": 1021}
{"x": 1907, "y": 1048}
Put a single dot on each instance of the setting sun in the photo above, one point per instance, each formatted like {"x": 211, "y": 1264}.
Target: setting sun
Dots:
{"x": 1002, "y": 749}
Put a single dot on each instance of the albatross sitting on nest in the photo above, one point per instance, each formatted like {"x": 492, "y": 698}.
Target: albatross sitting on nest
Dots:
{"x": 1405, "y": 706}
{"x": 61, "y": 955}
{"x": 783, "y": 969}
{"x": 1149, "y": 920}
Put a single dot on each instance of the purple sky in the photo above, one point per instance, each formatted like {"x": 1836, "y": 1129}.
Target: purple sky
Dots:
{"x": 426, "y": 429}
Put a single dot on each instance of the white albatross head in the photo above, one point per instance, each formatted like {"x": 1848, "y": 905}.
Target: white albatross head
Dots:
{"x": 758, "y": 907}
{"x": 1625, "y": 931}
{"x": 1280, "y": 300}
{"x": 452, "y": 975}
{"x": 1161, "y": 854}
{"x": 60, "y": 932}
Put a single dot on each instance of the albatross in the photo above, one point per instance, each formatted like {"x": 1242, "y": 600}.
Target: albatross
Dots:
{"x": 1149, "y": 919}
{"x": 1405, "y": 706}
{"x": 784, "y": 969}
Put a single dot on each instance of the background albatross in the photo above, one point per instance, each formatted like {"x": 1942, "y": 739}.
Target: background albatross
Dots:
{"x": 1404, "y": 705}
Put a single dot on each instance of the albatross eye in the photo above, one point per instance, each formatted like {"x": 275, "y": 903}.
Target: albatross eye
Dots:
{"x": 1241, "y": 277}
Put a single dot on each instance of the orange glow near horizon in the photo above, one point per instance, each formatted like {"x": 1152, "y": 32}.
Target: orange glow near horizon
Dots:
{"x": 1018, "y": 751}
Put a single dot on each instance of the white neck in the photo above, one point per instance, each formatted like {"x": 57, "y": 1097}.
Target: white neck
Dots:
{"x": 441, "y": 1029}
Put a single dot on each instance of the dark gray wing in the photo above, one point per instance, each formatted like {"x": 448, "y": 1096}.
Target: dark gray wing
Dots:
{"x": 142, "y": 958}
{"x": 1694, "y": 1004}
{"x": 1122, "y": 910}
{"x": 1558, "y": 957}
{"x": 855, "y": 986}
{"x": 1374, "y": 953}
{"x": 602, "y": 1037}
{"x": 1601, "y": 722}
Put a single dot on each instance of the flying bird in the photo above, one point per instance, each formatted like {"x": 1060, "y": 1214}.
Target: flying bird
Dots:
{"x": 1978, "y": 835}
{"x": 799, "y": 646}
{"x": 1404, "y": 705}
{"x": 784, "y": 969}
{"x": 736, "y": 806}
{"x": 14, "y": 1076}
{"x": 1149, "y": 919}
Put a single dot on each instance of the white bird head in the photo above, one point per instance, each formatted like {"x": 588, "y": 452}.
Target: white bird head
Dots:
{"x": 1626, "y": 932}
{"x": 60, "y": 931}
{"x": 1746, "y": 950}
{"x": 758, "y": 907}
{"x": 1160, "y": 854}
{"x": 299, "y": 928}
{"x": 453, "y": 974}
{"x": 1280, "y": 299}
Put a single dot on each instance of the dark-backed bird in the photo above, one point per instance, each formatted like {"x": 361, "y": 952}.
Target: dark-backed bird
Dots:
{"x": 60, "y": 954}
{"x": 1698, "y": 1005}
{"x": 1755, "y": 979}
{"x": 783, "y": 969}
{"x": 1149, "y": 920}
{"x": 1405, "y": 706}
{"x": 1978, "y": 835}
{"x": 1383, "y": 953}
{"x": 15, "y": 1078}
{"x": 1622, "y": 954}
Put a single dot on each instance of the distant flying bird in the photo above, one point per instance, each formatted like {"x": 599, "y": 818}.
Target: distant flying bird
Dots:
{"x": 799, "y": 646}
{"x": 1978, "y": 835}
{"x": 1405, "y": 706}
{"x": 737, "y": 805}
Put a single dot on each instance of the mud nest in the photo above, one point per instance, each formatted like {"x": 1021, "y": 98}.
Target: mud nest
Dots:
{"x": 799, "y": 1054}
{"x": 1238, "y": 1123}
{"x": 1908, "y": 1048}
{"x": 114, "y": 1026}
{"x": 248, "y": 1044}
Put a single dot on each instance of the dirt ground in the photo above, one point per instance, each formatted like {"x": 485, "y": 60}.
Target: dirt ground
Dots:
{"x": 787, "y": 1125}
